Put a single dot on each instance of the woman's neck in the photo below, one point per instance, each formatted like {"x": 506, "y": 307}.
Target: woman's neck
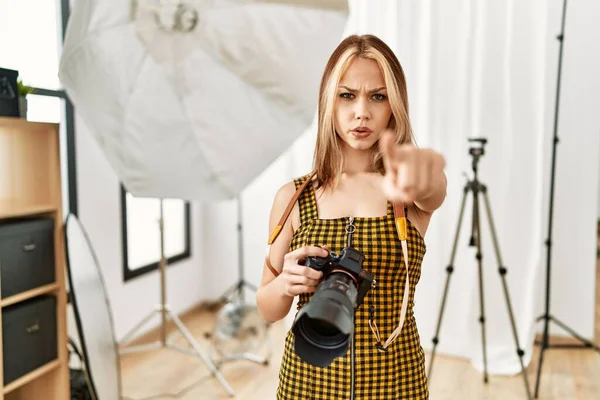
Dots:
{"x": 356, "y": 161}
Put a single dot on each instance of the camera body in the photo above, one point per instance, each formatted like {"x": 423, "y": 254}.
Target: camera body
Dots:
{"x": 323, "y": 327}
{"x": 349, "y": 261}
{"x": 477, "y": 150}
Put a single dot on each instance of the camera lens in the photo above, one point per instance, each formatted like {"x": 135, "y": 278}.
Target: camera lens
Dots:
{"x": 321, "y": 333}
{"x": 322, "y": 327}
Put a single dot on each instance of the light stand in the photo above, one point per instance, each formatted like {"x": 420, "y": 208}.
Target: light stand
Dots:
{"x": 547, "y": 317}
{"x": 237, "y": 292}
{"x": 165, "y": 312}
{"x": 477, "y": 189}
{"x": 238, "y": 287}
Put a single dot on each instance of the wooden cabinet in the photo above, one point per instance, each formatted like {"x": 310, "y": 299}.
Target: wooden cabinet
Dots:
{"x": 30, "y": 187}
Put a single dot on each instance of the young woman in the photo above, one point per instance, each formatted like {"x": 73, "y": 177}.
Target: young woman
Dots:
{"x": 369, "y": 179}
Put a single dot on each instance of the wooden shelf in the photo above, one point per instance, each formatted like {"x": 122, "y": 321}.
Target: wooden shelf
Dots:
{"x": 30, "y": 186}
{"x": 29, "y": 166}
{"x": 17, "y": 298}
{"x": 30, "y": 377}
{"x": 24, "y": 125}
{"x": 12, "y": 209}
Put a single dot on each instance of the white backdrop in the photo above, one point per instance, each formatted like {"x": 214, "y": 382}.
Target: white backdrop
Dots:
{"x": 477, "y": 69}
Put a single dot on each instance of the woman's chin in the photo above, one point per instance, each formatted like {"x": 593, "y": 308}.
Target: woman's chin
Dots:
{"x": 354, "y": 143}
{"x": 360, "y": 144}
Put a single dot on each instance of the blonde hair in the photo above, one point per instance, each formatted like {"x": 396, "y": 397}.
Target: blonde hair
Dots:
{"x": 328, "y": 157}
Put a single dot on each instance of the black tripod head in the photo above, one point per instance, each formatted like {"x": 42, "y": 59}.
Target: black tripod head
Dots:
{"x": 477, "y": 151}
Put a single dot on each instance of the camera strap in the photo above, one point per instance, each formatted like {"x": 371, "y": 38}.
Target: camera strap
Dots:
{"x": 282, "y": 220}
{"x": 401, "y": 229}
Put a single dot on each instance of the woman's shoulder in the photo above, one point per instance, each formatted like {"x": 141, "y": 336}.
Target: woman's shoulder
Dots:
{"x": 286, "y": 192}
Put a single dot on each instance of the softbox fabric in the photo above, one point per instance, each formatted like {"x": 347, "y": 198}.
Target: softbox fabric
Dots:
{"x": 194, "y": 99}
{"x": 92, "y": 311}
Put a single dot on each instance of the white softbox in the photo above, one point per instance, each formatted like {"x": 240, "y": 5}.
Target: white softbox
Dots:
{"x": 194, "y": 99}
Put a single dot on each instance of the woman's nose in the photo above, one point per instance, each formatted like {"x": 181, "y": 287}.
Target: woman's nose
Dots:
{"x": 361, "y": 111}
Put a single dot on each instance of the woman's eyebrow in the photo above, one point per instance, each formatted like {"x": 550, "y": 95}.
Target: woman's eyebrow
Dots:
{"x": 355, "y": 90}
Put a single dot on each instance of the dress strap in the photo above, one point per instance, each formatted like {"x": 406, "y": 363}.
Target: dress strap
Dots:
{"x": 307, "y": 202}
{"x": 277, "y": 230}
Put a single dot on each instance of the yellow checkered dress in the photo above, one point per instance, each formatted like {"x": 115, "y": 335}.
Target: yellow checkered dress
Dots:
{"x": 398, "y": 373}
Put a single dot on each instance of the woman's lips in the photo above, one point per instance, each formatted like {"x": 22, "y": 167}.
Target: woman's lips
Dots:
{"x": 361, "y": 134}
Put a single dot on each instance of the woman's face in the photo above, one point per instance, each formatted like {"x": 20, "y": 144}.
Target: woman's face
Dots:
{"x": 362, "y": 111}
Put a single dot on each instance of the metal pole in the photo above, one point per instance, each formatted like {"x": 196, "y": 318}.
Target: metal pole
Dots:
{"x": 163, "y": 290}
{"x": 240, "y": 251}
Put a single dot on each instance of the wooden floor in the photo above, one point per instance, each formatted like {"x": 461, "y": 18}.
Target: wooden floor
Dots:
{"x": 567, "y": 374}
{"x": 572, "y": 374}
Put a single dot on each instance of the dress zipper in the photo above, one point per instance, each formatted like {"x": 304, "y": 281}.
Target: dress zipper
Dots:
{"x": 350, "y": 228}
{"x": 352, "y": 367}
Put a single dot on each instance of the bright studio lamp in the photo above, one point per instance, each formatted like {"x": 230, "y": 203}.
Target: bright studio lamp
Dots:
{"x": 194, "y": 99}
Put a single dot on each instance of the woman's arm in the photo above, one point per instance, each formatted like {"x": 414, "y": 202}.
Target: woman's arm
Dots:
{"x": 429, "y": 202}
{"x": 275, "y": 294}
{"x": 273, "y": 303}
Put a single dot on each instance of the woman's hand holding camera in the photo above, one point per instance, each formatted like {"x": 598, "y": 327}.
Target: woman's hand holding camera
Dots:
{"x": 297, "y": 278}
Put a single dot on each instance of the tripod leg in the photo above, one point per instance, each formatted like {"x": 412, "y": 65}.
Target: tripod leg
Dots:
{"x": 585, "y": 343}
{"x": 543, "y": 348}
{"x": 545, "y": 342}
{"x": 225, "y": 297}
{"x": 198, "y": 351}
{"x": 251, "y": 286}
{"x": 129, "y": 336}
{"x": 502, "y": 271}
{"x": 479, "y": 257}
{"x": 449, "y": 270}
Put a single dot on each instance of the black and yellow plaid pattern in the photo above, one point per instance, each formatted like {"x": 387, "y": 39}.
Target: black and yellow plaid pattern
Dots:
{"x": 398, "y": 373}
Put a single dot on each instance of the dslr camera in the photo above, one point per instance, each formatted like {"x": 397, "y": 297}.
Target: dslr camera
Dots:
{"x": 323, "y": 326}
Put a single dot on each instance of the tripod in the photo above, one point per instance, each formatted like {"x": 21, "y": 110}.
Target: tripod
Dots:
{"x": 165, "y": 312}
{"x": 475, "y": 187}
{"x": 547, "y": 317}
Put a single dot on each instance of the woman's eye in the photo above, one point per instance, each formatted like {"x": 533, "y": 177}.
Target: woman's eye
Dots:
{"x": 379, "y": 96}
{"x": 346, "y": 95}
